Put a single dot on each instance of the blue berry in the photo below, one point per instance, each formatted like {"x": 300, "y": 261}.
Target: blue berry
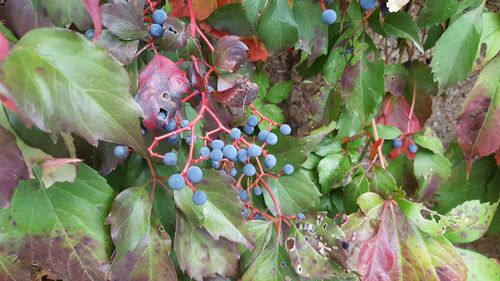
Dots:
{"x": 216, "y": 155}
{"x": 252, "y": 121}
{"x": 412, "y": 148}
{"x": 176, "y": 182}
{"x": 344, "y": 244}
{"x": 270, "y": 161}
{"x": 161, "y": 116}
{"x": 235, "y": 133}
{"x": 383, "y": 9}
{"x": 194, "y": 174}
{"x": 215, "y": 164}
{"x": 244, "y": 213}
{"x": 249, "y": 170}
{"x": 204, "y": 152}
{"x": 263, "y": 135}
{"x": 254, "y": 150}
{"x": 230, "y": 152}
{"x": 156, "y": 30}
{"x": 243, "y": 195}
{"x": 329, "y": 16}
{"x": 89, "y": 34}
{"x": 288, "y": 169}
{"x": 170, "y": 158}
{"x": 257, "y": 191}
{"x": 233, "y": 172}
{"x": 248, "y": 129}
{"x": 159, "y": 16}
{"x": 242, "y": 155}
{"x": 120, "y": 152}
{"x": 285, "y": 129}
{"x": 257, "y": 217}
{"x": 367, "y": 4}
{"x": 173, "y": 139}
{"x": 199, "y": 197}
{"x": 396, "y": 143}
{"x": 272, "y": 139}
{"x": 217, "y": 144}
{"x": 184, "y": 123}
{"x": 300, "y": 216}
{"x": 170, "y": 125}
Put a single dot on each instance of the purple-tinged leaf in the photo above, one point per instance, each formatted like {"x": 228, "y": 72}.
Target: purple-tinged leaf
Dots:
{"x": 240, "y": 95}
{"x": 122, "y": 50}
{"x": 272, "y": 264}
{"x": 92, "y": 7}
{"x": 124, "y": 20}
{"x": 11, "y": 269}
{"x": 13, "y": 166}
{"x": 142, "y": 249}
{"x": 394, "y": 113}
{"x": 201, "y": 256}
{"x": 64, "y": 222}
{"x": 22, "y": 16}
{"x": 161, "y": 86}
{"x": 175, "y": 36}
{"x": 478, "y": 126}
{"x": 385, "y": 244}
{"x": 96, "y": 103}
{"x": 230, "y": 54}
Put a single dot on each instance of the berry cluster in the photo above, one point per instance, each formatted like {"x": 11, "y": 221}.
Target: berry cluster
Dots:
{"x": 329, "y": 16}
{"x": 156, "y": 29}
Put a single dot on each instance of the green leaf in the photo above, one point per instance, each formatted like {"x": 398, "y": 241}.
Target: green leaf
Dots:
{"x": 312, "y": 32}
{"x": 433, "y": 34}
{"x": 271, "y": 265}
{"x": 271, "y": 111}
{"x": 13, "y": 270}
{"x": 363, "y": 82}
{"x": 7, "y": 33}
{"x": 479, "y": 267}
{"x": 124, "y": 20}
{"x": 220, "y": 215}
{"x": 59, "y": 91}
{"x": 383, "y": 182}
{"x": 414, "y": 212}
{"x": 261, "y": 231}
{"x": 472, "y": 221}
{"x": 332, "y": 171}
{"x": 199, "y": 255}
{"x": 230, "y": 18}
{"x": 260, "y": 78}
{"x": 279, "y": 92}
{"x": 67, "y": 219}
{"x": 437, "y": 11}
{"x": 290, "y": 150}
{"x": 129, "y": 219}
{"x": 277, "y": 27}
{"x": 309, "y": 259}
{"x": 294, "y": 194}
{"x": 253, "y": 8}
{"x": 490, "y": 35}
{"x": 64, "y": 12}
{"x": 401, "y": 25}
{"x": 150, "y": 260}
{"x": 456, "y": 50}
{"x": 459, "y": 189}
{"x": 429, "y": 140}
{"x": 353, "y": 190}
{"x": 430, "y": 170}
{"x": 385, "y": 132}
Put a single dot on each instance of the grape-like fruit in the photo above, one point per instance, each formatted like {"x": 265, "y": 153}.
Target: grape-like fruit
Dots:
{"x": 230, "y": 152}
{"x": 120, "y": 152}
{"x": 300, "y": 216}
{"x": 156, "y": 30}
{"x": 270, "y": 161}
{"x": 242, "y": 155}
{"x": 288, "y": 169}
{"x": 216, "y": 155}
{"x": 257, "y": 191}
{"x": 412, "y": 148}
{"x": 170, "y": 158}
{"x": 248, "y": 129}
{"x": 367, "y": 4}
{"x": 233, "y": 172}
{"x": 204, "y": 152}
{"x": 194, "y": 174}
{"x": 262, "y": 135}
{"x": 176, "y": 182}
{"x": 215, "y": 164}
{"x": 217, "y": 144}
{"x": 159, "y": 16}
{"x": 285, "y": 129}
{"x": 89, "y": 34}
{"x": 243, "y": 195}
{"x": 272, "y": 139}
{"x": 254, "y": 150}
{"x": 396, "y": 143}
{"x": 170, "y": 125}
{"x": 235, "y": 133}
{"x": 184, "y": 123}
{"x": 329, "y": 16}
{"x": 252, "y": 121}
{"x": 249, "y": 170}
{"x": 199, "y": 197}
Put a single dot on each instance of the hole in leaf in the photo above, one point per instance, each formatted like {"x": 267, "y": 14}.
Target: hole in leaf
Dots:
{"x": 290, "y": 244}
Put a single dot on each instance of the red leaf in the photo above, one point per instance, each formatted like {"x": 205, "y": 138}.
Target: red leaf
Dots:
{"x": 201, "y": 8}
{"x": 161, "y": 85}
{"x": 395, "y": 112}
{"x": 92, "y": 7}
{"x": 374, "y": 148}
{"x": 13, "y": 168}
{"x": 257, "y": 50}
{"x": 478, "y": 126}
{"x": 4, "y": 47}
{"x": 230, "y": 54}
{"x": 241, "y": 94}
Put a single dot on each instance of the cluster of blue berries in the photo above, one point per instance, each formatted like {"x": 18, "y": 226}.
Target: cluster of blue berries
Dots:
{"x": 218, "y": 152}
{"x": 397, "y": 143}
{"x": 329, "y": 16}
{"x": 159, "y": 17}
